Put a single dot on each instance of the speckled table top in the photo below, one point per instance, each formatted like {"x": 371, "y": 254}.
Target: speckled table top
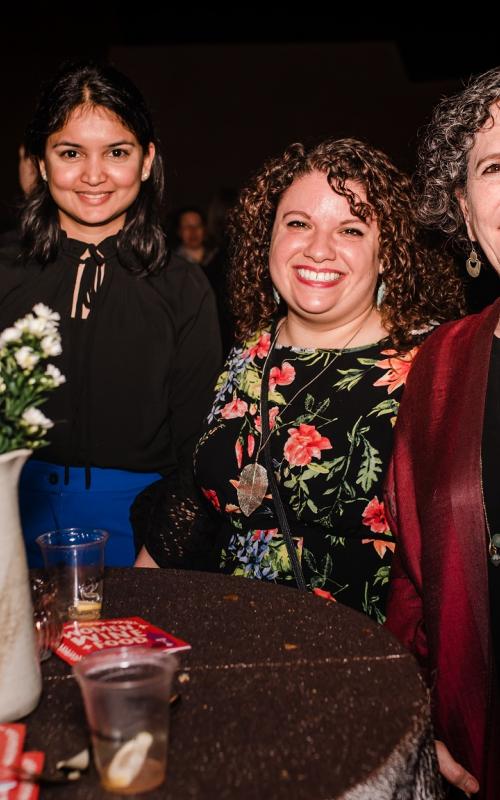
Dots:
{"x": 289, "y": 696}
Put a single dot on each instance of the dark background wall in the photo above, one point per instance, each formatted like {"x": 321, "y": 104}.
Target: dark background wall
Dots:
{"x": 221, "y": 110}
{"x": 225, "y": 99}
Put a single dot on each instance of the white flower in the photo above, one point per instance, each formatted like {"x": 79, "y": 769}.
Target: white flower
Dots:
{"x": 9, "y": 335}
{"x": 51, "y": 345}
{"x": 23, "y": 324}
{"x": 26, "y": 358}
{"x": 33, "y": 419}
{"x": 37, "y": 326}
{"x": 25, "y": 378}
{"x": 55, "y": 375}
{"x": 44, "y": 312}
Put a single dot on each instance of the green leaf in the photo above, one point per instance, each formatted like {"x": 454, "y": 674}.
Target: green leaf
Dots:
{"x": 276, "y": 397}
{"x": 371, "y": 466}
{"x": 322, "y": 407}
{"x": 312, "y": 506}
{"x": 337, "y": 465}
{"x": 221, "y": 380}
{"x": 334, "y": 540}
{"x": 317, "y": 469}
{"x": 309, "y": 402}
{"x": 389, "y": 406}
{"x": 250, "y": 383}
{"x": 350, "y": 379}
{"x": 326, "y": 567}
{"x": 310, "y": 560}
{"x": 379, "y": 616}
{"x": 348, "y": 489}
{"x": 382, "y": 576}
{"x": 353, "y": 434}
{"x": 300, "y": 419}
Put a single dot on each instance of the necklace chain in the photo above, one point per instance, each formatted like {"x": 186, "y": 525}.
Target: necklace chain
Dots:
{"x": 338, "y": 353}
{"x": 253, "y": 480}
{"x": 494, "y": 540}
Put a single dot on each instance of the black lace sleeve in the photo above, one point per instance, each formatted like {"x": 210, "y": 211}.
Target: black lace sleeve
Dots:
{"x": 177, "y": 527}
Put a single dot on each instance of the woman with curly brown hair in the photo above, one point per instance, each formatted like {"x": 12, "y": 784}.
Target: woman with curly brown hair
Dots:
{"x": 295, "y": 469}
{"x": 443, "y": 498}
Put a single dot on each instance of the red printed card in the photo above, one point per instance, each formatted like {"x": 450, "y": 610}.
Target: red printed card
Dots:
{"x": 12, "y": 737}
{"x": 11, "y": 745}
{"x": 25, "y": 790}
{"x": 81, "y": 638}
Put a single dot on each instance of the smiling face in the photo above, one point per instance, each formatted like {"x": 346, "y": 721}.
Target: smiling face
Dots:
{"x": 323, "y": 260}
{"x": 94, "y": 167}
{"x": 480, "y": 203}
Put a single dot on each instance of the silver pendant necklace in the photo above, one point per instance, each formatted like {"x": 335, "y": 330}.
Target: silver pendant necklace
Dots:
{"x": 493, "y": 540}
{"x": 253, "y": 481}
{"x": 252, "y": 487}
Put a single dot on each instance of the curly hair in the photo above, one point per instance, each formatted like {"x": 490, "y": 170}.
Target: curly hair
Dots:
{"x": 444, "y": 153}
{"x": 420, "y": 284}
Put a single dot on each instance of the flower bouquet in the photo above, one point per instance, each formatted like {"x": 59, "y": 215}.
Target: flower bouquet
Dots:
{"x": 25, "y": 378}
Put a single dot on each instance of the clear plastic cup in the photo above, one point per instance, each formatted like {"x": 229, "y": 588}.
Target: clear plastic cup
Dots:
{"x": 48, "y": 622}
{"x": 74, "y": 559}
{"x": 126, "y": 692}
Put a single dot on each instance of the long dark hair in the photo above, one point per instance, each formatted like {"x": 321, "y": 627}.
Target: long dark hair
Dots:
{"x": 141, "y": 242}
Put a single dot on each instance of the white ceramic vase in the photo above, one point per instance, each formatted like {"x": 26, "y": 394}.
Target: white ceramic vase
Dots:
{"x": 20, "y": 678}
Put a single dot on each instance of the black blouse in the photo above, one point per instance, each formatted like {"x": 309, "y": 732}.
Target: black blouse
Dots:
{"x": 491, "y": 448}
{"x": 140, "y": 355}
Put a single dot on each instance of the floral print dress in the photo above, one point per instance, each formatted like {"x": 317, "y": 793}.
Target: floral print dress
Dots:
{"x": 330, "y": 447}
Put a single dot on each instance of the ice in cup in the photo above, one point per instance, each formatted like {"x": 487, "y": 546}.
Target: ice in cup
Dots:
{"x": 74, "y": 559}
{"x": 126, "y": 692}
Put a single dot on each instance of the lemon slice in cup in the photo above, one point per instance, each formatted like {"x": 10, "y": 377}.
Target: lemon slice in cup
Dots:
{"x": 127, "y": 762}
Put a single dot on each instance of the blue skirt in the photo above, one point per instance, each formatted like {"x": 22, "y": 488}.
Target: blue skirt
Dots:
{"x": 47, "y": 504}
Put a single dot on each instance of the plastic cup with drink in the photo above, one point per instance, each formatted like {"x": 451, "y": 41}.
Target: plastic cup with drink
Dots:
{"x": 126, "y": 692}
{"x": 74, "y": 559}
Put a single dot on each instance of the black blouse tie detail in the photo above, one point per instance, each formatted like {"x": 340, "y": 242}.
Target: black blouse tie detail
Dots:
{"x": 89, "y": 279}
{"x": 89, "y": 288}
{"x": 140, "y": 365}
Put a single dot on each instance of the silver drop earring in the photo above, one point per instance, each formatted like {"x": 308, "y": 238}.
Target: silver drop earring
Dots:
{"x": 473, "y": 263}
{"x": 276, "y": 295}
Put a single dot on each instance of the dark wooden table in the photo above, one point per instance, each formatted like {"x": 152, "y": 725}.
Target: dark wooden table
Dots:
{"x": 289, "y": 696}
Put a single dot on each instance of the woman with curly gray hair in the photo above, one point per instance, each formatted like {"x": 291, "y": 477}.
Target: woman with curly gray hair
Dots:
{"x": 442, "y": 493}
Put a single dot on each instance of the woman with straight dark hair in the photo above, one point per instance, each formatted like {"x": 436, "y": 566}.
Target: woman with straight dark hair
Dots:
{"x": 139, "y": 332}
